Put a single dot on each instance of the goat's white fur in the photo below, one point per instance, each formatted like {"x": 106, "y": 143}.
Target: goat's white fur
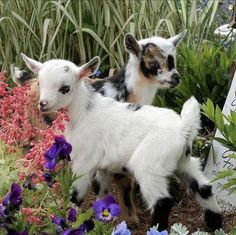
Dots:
{"x": 150, "y": 142}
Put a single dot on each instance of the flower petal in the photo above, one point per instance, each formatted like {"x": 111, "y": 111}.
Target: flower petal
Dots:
{"x": 99, "y": 206}
{"x": 16, "y": 188}
{"x": 72, "y": 215}
{"x": 109, "y": 199}
{"x": 114, "y": 209}
{"x": 121, "y": 229}
{"x": 50, "y": 164}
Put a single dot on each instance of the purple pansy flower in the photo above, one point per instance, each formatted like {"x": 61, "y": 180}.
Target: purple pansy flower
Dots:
{"x": 121, "y": 229}
{"x": 61, "y": 149}
{"x": 105, "y": 210}
{"x": 87, "y": 226}
{"x": 72, "y": 215}
{"x": 13, "y": 197}
{"x": 65, "y": 147}
{"x": 60, "y": 223}
{"x": 154, "y": 231}
{"x": 58, "y": 220}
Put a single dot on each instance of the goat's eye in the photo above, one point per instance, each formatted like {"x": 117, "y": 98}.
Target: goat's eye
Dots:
{"x": 64, "y": 89}
{"x": 154, "y": 64}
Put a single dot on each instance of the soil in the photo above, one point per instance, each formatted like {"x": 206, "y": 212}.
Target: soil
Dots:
{"x": 187, "y": 212}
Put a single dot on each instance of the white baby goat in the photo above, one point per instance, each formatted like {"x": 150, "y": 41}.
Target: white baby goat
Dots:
{"x": 150, "y": 143}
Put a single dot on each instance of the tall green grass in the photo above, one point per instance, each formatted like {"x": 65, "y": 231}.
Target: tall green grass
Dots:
{"x": 80, "y": 29}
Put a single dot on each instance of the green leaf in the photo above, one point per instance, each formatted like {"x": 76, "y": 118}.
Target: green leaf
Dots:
{"x": 233, "y": 116}
{"x": 82, "y": 217}
{"x": 223, "y": 174}
{"x": 232, "y": 155}
{"x": 219, "y": 119}
{"x": 232, "y": 132}
{"x": 208, "y": 109}
{"x": 225, "y": 143}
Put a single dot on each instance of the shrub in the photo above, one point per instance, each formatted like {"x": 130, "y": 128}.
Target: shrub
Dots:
{"x": 227, "y": 127}
{"x": 205, "y": 74}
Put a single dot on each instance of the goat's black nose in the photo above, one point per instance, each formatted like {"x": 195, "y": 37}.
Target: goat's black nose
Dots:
{"x": 43, "y": 103}
{"x": 175, "y": 79}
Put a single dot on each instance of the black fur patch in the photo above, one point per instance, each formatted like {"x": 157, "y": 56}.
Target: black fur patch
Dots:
{"x": 118, "y": 84}
{"x": 96, "y": 186}
{"x": 171, "y": 62}
{"x": 127, "y": 197}
{"x": 74, "y": 198}
{"x": 161, "y": 213}
{"x": 194, "y": 185}
{"x": 24, "y": 76}
{"x": 66, "y": 68}
{"x": 118, "y": 176}
{"x": 148, "y": 72}
{"x": 213, "y": 220}
{"x": 134, "y": 107}
{"x": 124, "y": 169}
{"x": 48, "y": 119}
{"x": 174, "y": 189}
{"x": 132, "y": 45}
{"x": 205, "y": 191}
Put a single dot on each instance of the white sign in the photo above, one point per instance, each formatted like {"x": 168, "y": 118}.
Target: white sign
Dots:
{"x": 218, "y": 159}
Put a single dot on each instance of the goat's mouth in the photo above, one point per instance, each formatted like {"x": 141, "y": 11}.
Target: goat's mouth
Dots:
{"x": 174, "y": 83}
{"x": 45, "y": 110}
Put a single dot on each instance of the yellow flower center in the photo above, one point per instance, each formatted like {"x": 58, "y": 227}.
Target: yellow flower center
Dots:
{"x": 105, "y": 213}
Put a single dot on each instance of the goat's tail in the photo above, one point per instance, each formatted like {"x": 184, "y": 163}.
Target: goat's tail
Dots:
{"x": 190, "y": 115}
{"x": 20, "y": 76}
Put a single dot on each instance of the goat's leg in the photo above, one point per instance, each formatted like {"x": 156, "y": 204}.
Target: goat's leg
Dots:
{"x": 126, "y": 193}
{"x": 195, "y": 180}
{"x": 102, "y": 183}
{"x": 152, "y": 172}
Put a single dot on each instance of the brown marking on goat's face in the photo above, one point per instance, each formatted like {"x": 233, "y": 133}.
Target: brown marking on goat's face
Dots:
{"x": 153, "y": 55}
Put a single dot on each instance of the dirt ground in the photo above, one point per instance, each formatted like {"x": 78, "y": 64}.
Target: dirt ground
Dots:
{"x": 187, "y": 212}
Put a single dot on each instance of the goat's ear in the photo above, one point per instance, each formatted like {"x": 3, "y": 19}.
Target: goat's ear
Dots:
{"x": 131, "y": 44}
{"x": 177, "y": 38}
{"x": 33, "y": 65}
{"x": 88, "y": 68}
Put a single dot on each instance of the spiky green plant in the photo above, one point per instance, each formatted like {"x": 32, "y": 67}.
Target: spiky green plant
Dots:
{"x": 78, "y": 30}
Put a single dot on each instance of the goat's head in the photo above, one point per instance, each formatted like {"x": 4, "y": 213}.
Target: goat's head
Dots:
{"x": 156, "y": 58}
{"x": 58, "y": 79}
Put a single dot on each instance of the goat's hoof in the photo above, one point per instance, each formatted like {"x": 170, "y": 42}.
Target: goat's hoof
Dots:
{"x": 74, "y": 198}
{"x": 213, "y": 220}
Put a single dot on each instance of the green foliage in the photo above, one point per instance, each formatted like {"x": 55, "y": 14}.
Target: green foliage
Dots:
{"x": 227, "y": 127}
{"x": 8, "y": 169}
{"x": 205, "y": 74}
{"x": 79, "y": 30}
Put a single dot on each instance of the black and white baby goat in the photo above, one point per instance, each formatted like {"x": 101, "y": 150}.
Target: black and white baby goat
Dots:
{"x": 150, "y": 143}
{"x": 151, "y": 66}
